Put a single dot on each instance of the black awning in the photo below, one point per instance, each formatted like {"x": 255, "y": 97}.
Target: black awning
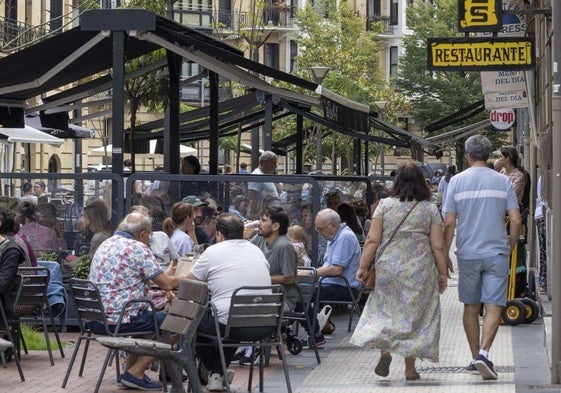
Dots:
{"x": 72, "y": 131}
{"x": 79, "y": 55}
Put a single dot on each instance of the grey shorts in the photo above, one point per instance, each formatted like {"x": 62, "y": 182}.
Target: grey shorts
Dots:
{"x": 483, "y": 280}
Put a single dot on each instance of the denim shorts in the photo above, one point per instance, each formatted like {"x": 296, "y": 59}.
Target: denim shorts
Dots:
{"x": 483, "y": 280}
{"x": 141, "y": 322}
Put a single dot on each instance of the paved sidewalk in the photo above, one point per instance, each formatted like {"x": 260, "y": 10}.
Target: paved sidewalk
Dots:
{"x": 518, "y": 352}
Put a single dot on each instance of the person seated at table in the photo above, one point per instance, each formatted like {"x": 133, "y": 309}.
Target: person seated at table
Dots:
{"x": 27, "y": 194}
{"x": 48, "y": 217}
{"x": 40, "y": 237}
{"x": 227, "y": 265}
{"x": 342, "y": 259}
{"x": 160, "y": 243}
{"x": 208, "y": 224}
{"x": 180, "y": 227}
{"x": 11, "y": 257}
{"x": 123, "y": 267}
{"x": 95, "y": 223}
{"x": 239, "y": 207}
{"x": 40, "y": 190}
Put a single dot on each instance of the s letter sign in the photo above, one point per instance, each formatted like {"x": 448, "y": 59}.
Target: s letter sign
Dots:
{"x": 502, "y": 119}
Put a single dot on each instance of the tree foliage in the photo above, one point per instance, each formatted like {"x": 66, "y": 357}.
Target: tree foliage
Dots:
{"x": 436, "y": 95}
{"x": 336, "y": 38}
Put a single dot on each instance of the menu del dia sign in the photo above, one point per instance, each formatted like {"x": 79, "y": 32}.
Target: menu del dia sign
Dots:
{"x": 480, "y": 54}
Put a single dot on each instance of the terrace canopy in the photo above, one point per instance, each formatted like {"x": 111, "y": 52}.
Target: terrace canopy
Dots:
{"x": 92, "y": 57}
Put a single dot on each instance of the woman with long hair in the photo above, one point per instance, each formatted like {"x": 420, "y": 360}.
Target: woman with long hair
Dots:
{"x": 348, "y": 216}
{"x": 402, "y": 314}
{"x": 180, "y": 227}
{"x": 512, "y": 168}
{"x": 95, "y": 221}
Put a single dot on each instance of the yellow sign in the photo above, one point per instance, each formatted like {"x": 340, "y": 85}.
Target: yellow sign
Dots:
{"x": 479, "y": 15}
{"x": 480, "y": 54}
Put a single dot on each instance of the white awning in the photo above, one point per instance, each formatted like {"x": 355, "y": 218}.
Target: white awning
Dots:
{"x": 182, "y": 149}
{"x": 29, "y": 135}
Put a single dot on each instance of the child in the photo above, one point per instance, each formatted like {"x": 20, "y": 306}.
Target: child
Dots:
{"x": 296, "y": 235}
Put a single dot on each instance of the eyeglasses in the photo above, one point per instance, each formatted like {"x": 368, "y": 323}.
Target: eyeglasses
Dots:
{"x": 323, "y": 228}
{"x": 331, "y": 194}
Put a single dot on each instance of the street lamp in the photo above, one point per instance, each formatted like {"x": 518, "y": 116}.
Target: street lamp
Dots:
{"x": 319, "y": 74}
{"x": 382, "y": 106}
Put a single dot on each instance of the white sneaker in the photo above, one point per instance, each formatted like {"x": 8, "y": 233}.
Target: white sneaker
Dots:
{"x": 215, "y": 383}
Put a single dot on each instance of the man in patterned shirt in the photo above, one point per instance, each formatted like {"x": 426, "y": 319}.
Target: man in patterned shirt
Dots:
{"x": 123, "y": 267}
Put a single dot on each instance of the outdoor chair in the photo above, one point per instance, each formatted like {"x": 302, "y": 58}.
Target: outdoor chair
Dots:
{"x": 33, "y": 293}
{"x": 306, "y": 284}
{"x": 252, "y": 307}
{"x": 89, "y": 307}
{"x": 184, "y": 315}
{"x": 353, "y": 302}
{"x": 6, "y": 328}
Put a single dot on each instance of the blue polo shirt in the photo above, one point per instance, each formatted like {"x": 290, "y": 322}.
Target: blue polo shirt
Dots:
{"x": 480, "y": 197}
{"x": 343, "y": 250}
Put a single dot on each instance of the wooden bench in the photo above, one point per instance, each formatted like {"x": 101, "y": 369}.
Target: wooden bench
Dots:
{"x": 183, "y": 318}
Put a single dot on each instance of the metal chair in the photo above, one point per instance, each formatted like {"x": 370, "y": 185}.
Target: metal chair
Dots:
{"x": 185, "y": 313}
{"x": 353, "y": 302}
{"x": 307, "y": 279}
{"x": 252, "y": 307}
{"x": 33, "y": 293}
{"x": 89, "y": 307}
{"x": 7, "y": 329}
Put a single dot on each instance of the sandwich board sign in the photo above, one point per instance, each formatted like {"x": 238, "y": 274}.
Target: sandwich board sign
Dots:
{"x": 504, "y": 89}
{"x": 507, "y": 99}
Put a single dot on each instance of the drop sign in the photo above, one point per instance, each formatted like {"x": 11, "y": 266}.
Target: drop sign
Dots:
{"x": 502, "y": 119}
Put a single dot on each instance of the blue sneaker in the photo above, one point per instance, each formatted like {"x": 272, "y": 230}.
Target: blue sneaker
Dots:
{"x": 470, "y": 369}
{"x": 143, "y": 383}
{"x": 485, "y": 368}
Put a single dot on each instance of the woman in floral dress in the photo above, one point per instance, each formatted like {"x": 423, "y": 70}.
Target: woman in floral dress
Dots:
{"x": 402, "y": 314}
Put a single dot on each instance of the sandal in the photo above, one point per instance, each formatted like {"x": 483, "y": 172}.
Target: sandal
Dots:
{"x": 329, "y": 328}
{"x": 412, "y": 377}
{"x": 383, "y": 367}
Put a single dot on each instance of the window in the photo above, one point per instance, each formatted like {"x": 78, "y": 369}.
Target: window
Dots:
{"x": 393, "y": 61}
{"x": 272, "y": 55}
{"x": 394, "y": 12}
{"x": 55, "y": 22}
{"x": 195, "y": 13}
{"x": 109, "y": 4}
{"x": 293, "y": 54}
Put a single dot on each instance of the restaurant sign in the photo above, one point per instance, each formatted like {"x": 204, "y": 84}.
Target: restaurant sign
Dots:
{"x": 480, "y": 54}
{"x": 479, "y": 15}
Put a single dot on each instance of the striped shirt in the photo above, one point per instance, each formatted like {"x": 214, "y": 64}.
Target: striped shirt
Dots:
{"x": 480, "y": 197}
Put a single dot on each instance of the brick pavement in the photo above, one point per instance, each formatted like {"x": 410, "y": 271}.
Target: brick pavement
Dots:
{"x": 344, "y": 368}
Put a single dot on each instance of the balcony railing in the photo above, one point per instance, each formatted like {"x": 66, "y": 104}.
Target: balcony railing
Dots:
{"x": 15, "y": 35}
{"x": 235, "y": 20}
{"x": 387, "y": 27}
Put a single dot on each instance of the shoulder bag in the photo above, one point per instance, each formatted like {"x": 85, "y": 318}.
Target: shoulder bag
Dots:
{"x": 371, "y": 274}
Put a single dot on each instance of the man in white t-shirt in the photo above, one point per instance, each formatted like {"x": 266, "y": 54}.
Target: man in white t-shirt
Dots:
{"x": 227, "y": 265}
{"x": 258, "y": 191}
{"x": 479, "y": 199}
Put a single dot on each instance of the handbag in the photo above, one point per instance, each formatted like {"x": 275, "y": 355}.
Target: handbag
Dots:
{"x": 370, "y": 279}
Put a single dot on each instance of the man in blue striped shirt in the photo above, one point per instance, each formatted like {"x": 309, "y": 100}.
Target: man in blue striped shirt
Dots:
{"x": 478, "y": 200}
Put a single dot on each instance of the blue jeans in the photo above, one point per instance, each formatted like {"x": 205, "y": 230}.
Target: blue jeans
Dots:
{"x": 141, "y": 322}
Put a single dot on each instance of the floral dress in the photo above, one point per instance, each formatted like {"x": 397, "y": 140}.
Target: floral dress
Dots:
{"x": 402, "y": 314}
